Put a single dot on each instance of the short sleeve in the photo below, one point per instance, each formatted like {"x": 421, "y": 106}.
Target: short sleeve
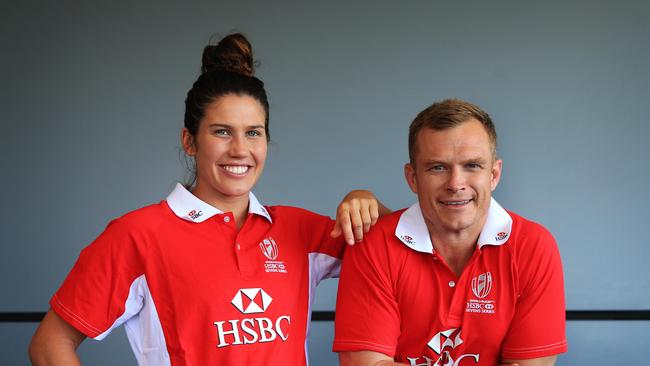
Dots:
{"x": 103, "y": 288}
{"x": 324, "y": 252}
{"x": 367, "y": 314}
{"x": 538, "y": 327}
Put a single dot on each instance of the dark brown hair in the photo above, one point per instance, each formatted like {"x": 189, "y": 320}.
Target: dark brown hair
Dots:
{"x": 447, "y": 114}
{"x": 227, "y": 68}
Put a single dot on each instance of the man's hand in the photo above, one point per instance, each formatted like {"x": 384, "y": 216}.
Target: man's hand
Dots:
{"x": 358, "y": 211}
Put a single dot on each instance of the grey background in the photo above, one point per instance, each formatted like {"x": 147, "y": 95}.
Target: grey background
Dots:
{"x": 91, "y": 104}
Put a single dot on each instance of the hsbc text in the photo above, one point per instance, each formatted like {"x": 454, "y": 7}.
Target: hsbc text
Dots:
{"x": 252, "y": 330}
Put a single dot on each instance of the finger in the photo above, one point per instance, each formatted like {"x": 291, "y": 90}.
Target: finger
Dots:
{"x": 343, "y": 220}
{"x": 336, "y": 232}
{"x": 357, "y": 223}
{"x": 366, "y": 218}
{"x": 374, "y": 212}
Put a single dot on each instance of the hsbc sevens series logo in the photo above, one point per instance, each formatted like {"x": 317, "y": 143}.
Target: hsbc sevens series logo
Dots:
{"x": 269, "y": 248}
{"x": 482, "y": 284}
{"x": 252, "y": 330}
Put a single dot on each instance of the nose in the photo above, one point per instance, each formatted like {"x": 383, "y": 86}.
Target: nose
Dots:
{"x": 456, "y": 180}
{"x": 238, "y": 146}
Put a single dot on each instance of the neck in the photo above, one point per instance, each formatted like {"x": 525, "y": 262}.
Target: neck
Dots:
{"x": 455, "y": 247}
{"x": 238, "y": 205}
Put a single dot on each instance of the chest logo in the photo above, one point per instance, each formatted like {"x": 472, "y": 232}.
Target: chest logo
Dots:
{"x": 448, "y": 338}
{"x": 261, "y": 328}
{"x": 482, "y": 284}
{"x": 443, "y": 344}
{"x": 251, "y": 300}
{"x": 269, "y": 248}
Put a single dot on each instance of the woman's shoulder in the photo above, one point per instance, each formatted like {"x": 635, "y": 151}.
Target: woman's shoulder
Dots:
{"x": 144, "y": 217}
{"x": 293, "y": 212}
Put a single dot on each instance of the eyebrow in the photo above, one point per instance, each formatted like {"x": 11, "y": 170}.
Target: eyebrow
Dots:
{"x": 476, "y": 160}
{"x": 230, "y": 126}
{"x": 480, "y": 161}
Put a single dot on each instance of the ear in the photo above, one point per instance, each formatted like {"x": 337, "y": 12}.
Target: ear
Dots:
{"x": 411, "y": 179}
{"x": 497, "y": 167}
{"x": 187, "y": 140}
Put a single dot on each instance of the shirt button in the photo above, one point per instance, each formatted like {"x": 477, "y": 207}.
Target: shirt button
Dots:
{"x": 452, "y": 283}
{"x": 226, "y": 219}
{"x": 238, "y": 246}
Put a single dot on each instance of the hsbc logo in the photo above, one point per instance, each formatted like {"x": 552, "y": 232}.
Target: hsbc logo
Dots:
{"x": 195, "y": 214}
{"x": 269, "y": 248}
{"x": 443, "y": 343}
{"x": 501, "y": 235}
{"x": 482, "y": 284}
{"x": 444, "y": 339}
{"x": 407, "y": 239}
{"x": 251, "y": 300}
{"x": 252, "y": 330}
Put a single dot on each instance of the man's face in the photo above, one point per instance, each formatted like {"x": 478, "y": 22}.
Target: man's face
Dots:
{"x": 454, "y": 174}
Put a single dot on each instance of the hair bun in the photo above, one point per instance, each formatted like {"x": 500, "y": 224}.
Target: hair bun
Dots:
{"x": 233, "y": 53}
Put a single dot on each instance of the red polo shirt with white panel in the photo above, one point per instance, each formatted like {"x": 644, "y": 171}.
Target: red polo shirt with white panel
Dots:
{"x": 191, "y": 290}
{"x": 397, "y": 296}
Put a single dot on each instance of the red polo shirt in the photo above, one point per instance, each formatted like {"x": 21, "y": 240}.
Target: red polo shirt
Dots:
{"x": 397, "y": 296}
{"x": 191, "y": 290}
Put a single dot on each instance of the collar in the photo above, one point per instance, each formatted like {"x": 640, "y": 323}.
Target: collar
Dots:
{"x": 412, "y": 230}
{"x": 189, "y": 207}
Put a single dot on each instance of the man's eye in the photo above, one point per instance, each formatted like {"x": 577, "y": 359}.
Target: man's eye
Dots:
{"x": 437, "y": 168}
{"x": 254, "y": 133}
{"x": 473, "y": 166}
{"x": 221, "y": 132}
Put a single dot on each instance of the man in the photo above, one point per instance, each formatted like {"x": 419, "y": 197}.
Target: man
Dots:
{"x": 455, "y": 279}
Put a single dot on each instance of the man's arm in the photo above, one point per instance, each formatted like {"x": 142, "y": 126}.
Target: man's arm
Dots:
{"x": 370, "y": 358}
{"x": 366, "y": 358}
{"x": 542, "y": 361}
{"x": 55, "y": 342}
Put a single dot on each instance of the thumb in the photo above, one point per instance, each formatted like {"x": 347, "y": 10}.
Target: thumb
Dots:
{"x": 336, "y": 232}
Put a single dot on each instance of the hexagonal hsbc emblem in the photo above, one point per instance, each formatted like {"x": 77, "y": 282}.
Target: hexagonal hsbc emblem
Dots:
{"x": 448, "y": 338}
{"x": 251, "y": 300}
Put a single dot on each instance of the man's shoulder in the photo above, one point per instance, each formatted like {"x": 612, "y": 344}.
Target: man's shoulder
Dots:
{"x": 526, "y": 227}
{"x": 383, "y": 232}
{"x": 528, "y": 235}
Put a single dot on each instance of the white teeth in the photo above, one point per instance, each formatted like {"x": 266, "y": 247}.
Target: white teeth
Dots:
{"x": 456, "y": 202}
{"x": 236, "y": 169}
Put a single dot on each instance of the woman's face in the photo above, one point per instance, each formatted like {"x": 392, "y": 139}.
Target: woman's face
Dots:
{"x": 229, "y": 148}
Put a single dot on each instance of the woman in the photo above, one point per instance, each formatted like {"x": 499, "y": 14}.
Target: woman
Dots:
{"x": 209, "y": 276}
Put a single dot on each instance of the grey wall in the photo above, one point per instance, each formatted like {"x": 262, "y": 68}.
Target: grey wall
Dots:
{"x": 91, "y": 104}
